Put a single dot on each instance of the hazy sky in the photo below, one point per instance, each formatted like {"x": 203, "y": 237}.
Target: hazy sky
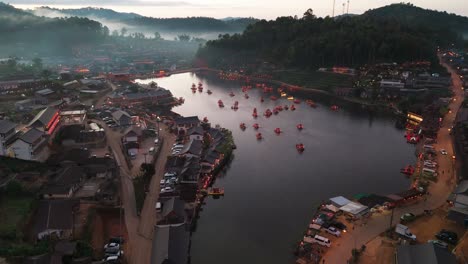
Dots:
{"x": 240, "y": 8}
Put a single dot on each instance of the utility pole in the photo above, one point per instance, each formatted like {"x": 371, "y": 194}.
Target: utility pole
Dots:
{"x": 391, "y": 217}
{"x": 333, "y": 12}
{"x": 347, "y": 10}
{"x": 344, "y": 7}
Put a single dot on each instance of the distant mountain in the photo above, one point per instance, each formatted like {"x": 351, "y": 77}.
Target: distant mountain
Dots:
{"x": 88, "y": 12}
{"x": 24, "y": 31}
{"x": 410, "y": 15}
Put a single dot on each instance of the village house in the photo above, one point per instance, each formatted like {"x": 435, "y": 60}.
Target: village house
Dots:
{"x": 7, "y": 132}
{"x": 122, "y": 118}
{"x": 46, "y": 120}
{"x": 132, "y": 134}
{"x": 64, "y": 184}
{"x": 422, "y": 254}
{"x": 182, "y": 124}
{"x": 73, "y": 116}
{"x": 171, "y": 236}
{"x": 190, "y": 171}
{"x": 195, "y": 133}
{"x": 153, "y": 97}
{"x": 28, "y": 145}
{"x": 193, "y": 148}
{"x": 54, "y": 218}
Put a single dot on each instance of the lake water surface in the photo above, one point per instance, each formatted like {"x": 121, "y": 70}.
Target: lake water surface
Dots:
{"x": 271, "y": 191}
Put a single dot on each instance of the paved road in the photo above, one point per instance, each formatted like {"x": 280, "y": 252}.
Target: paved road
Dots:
{"x": 340, "y": 252}
{"x": 142, "y": 253}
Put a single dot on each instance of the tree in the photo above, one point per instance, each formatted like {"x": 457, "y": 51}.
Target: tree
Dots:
{"x": 115, "y": 33}
{"x": 11, "y": 63}
{"x": 184, "y": 38}
{"x": 157, "y": 36}
{"x": 123, "y": 31}
{"x": 309, "y": 14}
{"x": 37, "y": 64}
{"x": 105, "y": 31}
{"x": 46, "y": 74}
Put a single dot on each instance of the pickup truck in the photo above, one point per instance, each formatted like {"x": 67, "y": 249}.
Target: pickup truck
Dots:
{"x": 404, "y": 231}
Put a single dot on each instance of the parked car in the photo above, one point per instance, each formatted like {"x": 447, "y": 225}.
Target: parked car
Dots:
{"x": 112, "y": 245}
{"x": 438, "y": 243}
{"x": 407, "y": 217}
{"x": 443, "y": 152}
{"x": 447, "y": 236}
{"x": 333, "y": 230}
{"x": 170, "y": 174}
{"x": 156, "y": 141}
{"x": 162, "y": 182}
{"x": 339, "y": 226}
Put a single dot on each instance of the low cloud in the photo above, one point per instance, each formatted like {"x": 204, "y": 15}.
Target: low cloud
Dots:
{"x": 102, "y": 3}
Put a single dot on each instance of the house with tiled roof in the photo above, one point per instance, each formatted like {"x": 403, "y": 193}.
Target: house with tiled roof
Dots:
{"x": 7, "y": 132}
{"x": 28, "y": 145}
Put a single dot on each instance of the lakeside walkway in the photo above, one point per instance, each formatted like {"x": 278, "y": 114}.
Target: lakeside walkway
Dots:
{"x": 362, "y": 233}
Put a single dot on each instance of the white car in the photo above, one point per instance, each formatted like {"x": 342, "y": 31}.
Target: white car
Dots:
{"x": 443, "y": 152}
{"x": 334, "y": 231}
{"x": 112, "y": 245}
{"x": 162, "y": 182}
{"x": 170, "y": 174}
{"x": 156, "y": 141}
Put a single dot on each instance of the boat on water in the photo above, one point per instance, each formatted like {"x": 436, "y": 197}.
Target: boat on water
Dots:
{"x": 268, "y": 113}
{"x": 279, "y": 108}
{"x": 334, "y": 107}
{"x": 232, "y": 94}
{"x": 215, "y": 191}
{"x": 290, "y": 98}
{"x": 283, "y": 94}
{"x": 256, "y": 126}
{"x": 235, "y": 106}
{"x": 292, "y": 108}
{"x": 200, "y": 87}
{"x": 246, "y": 96}
{"x": 242, "y": 126}
{"x": 297, "y": 101}
{"x": 194, "y": 86}
{"x": 220, "y": 103}
{"x": 275, "y": 111}
{"x": 300, "y": 126}
{"x": 259, "y": 136}
{"x": 286, "y": 107}
{"x": 262, "y": 100}
{"x": 408, "y": 170}
{"x": 278, "y": 130}
{"x": 300, "y": 147}
{"x": 209, "y": 91}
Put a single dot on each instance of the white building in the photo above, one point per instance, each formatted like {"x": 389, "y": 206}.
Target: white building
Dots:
{"x": 7, "y": 131}
{"x": 28, "y": 145}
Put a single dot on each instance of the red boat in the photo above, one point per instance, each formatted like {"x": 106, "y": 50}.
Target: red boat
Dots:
{"x": 300, "y": 126}
{"x": 259, "y": 136}
{"x": 408, "y": 170}
{"x": 273, "y": 98}
{"x": 255, "y": 115}
{"x": 209, "y": 92}
{"x": 279, "y": 108}
{"x": 278, "y": 130}
{"x": 334, "y": 107}
{"x": 268, "y": 113}
{"x": 292, "y": 108}
{"x": 220, "y": 103}
{"x": 300, "y": 147}
{"x": 205, "y": 119}
{"x": 194, "y": 87}
{"x": 242, "y": 126}
{"x": 262, "y": 100}
{"x": 297, "y": 101}
{"x": 256, "y": 126}
{"x": 235, "y": 106}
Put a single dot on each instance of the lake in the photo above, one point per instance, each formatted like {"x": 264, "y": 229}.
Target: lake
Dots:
{"x": 271, "y": 190}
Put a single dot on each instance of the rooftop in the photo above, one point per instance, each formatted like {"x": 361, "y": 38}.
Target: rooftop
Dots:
{"x": 54, "y": 214}
{"x": 43, "y": 117}
{"x": 6, "y": 126}
{"x": 171, "y": 245}
{"x": 187, "y": 120}
{"x": 32, "y": 135}
{"x": 424, "y": 254}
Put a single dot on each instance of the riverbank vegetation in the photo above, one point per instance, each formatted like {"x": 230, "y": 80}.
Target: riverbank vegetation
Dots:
{"x": 313, "y": 79}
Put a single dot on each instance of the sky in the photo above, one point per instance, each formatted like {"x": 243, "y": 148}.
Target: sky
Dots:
{"x": 268, "y": 9}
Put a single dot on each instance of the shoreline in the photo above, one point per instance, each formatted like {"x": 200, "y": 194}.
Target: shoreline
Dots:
{"x": 288, "y": 85}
